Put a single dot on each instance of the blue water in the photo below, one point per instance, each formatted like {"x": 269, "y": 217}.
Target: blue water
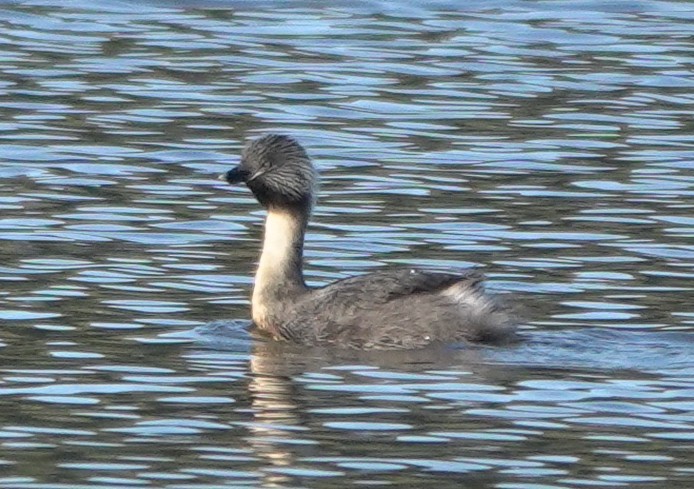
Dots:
{"x": 548, "y": 144}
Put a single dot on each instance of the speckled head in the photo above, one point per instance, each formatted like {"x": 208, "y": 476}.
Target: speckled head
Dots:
{"x": 278, "y": 171}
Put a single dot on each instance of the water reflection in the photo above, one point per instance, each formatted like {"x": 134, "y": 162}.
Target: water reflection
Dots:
{"x": 548, "y": 144}
{"x": 362, "y": 416}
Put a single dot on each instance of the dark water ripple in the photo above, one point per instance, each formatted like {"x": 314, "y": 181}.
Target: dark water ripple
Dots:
{"x": 548, "y": 143}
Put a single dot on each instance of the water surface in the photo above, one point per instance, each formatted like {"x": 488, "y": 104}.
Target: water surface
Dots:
{"x": 547, "y": 143}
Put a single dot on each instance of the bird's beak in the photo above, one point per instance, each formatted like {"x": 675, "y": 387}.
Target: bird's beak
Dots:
{"x": 233, "y": 176}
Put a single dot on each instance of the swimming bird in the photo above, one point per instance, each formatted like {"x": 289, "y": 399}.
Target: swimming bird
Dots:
{"x": 399, "y": 308}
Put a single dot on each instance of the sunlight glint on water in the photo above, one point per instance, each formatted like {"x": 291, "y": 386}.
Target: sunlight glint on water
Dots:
{"x": 548, "y": 143}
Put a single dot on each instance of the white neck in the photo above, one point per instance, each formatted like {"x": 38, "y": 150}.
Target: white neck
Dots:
{"x": 280, "y": 267}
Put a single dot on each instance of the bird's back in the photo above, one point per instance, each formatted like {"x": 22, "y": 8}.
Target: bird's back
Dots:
{"x": 401, "y": 308}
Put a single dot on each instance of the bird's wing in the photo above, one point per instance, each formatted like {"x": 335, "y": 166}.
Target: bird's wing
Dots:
{"x": 341, "y": 301}
{"x": 383, "y": 286}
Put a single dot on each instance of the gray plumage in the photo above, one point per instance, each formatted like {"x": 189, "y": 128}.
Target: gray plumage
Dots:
{"x": 389, "y": 309}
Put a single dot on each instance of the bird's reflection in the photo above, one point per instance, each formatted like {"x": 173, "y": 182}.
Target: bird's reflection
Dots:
{"x": 285, "y": 428}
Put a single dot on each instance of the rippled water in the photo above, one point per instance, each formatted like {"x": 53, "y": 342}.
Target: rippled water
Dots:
{"x": 548, "y": 143}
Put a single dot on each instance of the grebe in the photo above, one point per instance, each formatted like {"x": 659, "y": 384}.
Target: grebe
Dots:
{"x": 402, "y": 308}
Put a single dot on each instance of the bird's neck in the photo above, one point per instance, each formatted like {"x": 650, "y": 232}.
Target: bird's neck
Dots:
{"x": 280, "y": 270}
